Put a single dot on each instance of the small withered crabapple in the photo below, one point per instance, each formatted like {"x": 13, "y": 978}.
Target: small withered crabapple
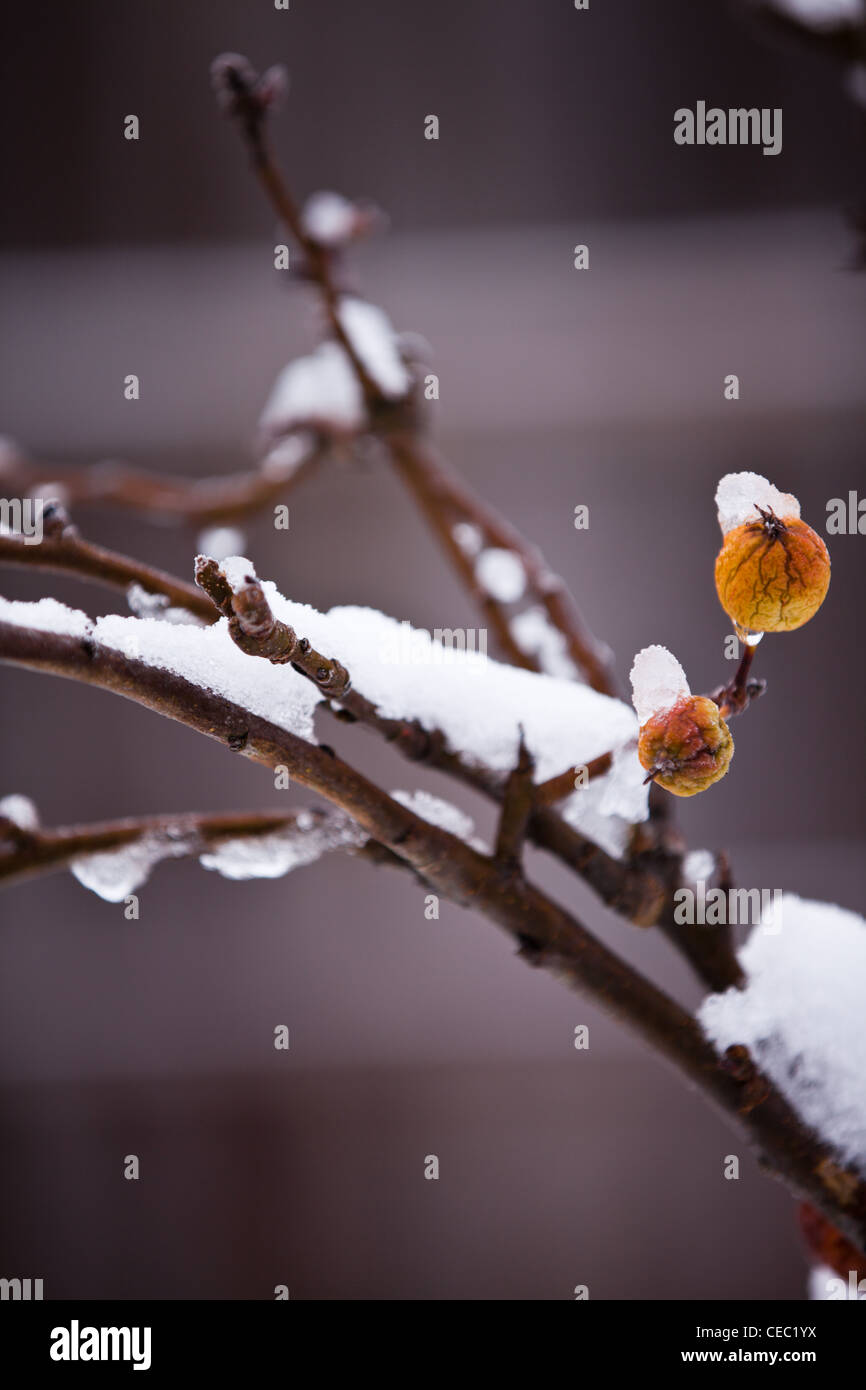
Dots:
{"x": 686, "y": 748}
{"x": 684, "y": 743}
{"x": 773, "y": 571}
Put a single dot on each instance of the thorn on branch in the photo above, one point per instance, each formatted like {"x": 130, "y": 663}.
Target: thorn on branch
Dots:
{"x": 530, "y": 951}
{"x": 517, "y": 807}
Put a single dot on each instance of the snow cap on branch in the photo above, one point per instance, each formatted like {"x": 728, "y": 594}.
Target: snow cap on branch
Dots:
{"x": 331, "y": 221}
{"x": 320, "y": 391}
{"x": 20, "y": 810}
{"x": 369, "y": 330}
{"x": 501, "y": 574}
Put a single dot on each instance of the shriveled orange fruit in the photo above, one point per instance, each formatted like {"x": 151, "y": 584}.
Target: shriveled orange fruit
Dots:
{"x": 772, "y": 574}
{"x": 687, "y": 747}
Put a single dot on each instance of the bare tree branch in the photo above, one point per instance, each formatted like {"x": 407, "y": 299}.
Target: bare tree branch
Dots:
{"x": 164, "y": 497}
{"x": 444, "y": 501}
{"x": 547, "y": 934}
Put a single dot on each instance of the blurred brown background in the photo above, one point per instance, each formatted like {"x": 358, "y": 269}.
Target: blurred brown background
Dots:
{"x": 411, "y": 1037}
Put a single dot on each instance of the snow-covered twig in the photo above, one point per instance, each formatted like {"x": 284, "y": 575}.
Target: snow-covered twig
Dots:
{"x": 27, "y": 852}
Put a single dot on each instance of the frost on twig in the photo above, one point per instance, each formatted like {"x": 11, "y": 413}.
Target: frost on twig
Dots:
{"x": 115, "y": 858}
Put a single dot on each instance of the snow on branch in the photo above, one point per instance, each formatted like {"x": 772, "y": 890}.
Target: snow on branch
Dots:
{"x": 477, "y": 706}
{"x": 115, "y": 858}
{"x": 800, "y": 1013}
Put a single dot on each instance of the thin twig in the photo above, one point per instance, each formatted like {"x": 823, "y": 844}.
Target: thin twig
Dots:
{"x": 25, "y": 853}
{"x": 63, "y": 550}
{"x": 738, "y": 694}
{"x": 164, "y": 497}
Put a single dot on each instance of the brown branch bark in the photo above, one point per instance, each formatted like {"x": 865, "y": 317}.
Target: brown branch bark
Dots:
{"x": 164, "y": 497}
{"x": 64, "y": 551}
{"x": 547, "y": 934}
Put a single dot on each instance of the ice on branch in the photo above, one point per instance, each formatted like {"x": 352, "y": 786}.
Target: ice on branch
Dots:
{"x": 369, "y": 331}
{"x": 739, "y": 495}
{"x": 501, "y": 574}
{"x": 20, "y": 810}
{"x": 801, "y": 1016}
{"x": 658, "y": 682}
{"x": 114, "y": 874}
{"x": 320, "y": 390}
{"x": 281, "y": 851}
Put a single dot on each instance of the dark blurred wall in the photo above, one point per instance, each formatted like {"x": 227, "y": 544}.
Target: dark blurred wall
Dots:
{"x": 546, "y": 113}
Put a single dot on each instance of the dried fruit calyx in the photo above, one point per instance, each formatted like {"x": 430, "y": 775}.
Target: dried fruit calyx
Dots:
{"x": 687, "y": 747}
